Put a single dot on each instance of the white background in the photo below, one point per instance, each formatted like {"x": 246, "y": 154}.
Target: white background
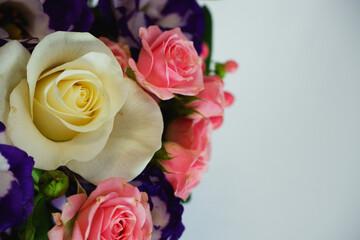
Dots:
{"x": 286, "y": 163}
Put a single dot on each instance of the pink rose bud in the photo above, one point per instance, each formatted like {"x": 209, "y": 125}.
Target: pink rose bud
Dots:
{"x": 168, "y": 63}
{"x": 120, "y": 51}
{"x": 230, "y": 66}
{"x": 203, "y": 67}
{"x": 229, "y": 99}
{"x": 114, "y": 210}
{"x": 204, "y": 51}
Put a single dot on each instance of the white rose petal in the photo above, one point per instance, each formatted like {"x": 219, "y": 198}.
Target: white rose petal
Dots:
{"x": 14, "y": 58}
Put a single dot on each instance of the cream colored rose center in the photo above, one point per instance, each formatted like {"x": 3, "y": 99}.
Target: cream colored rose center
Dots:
{"x": 69, "y": 102}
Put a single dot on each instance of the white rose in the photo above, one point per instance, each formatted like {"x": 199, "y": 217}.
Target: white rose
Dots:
{"x": 69, "y": 104}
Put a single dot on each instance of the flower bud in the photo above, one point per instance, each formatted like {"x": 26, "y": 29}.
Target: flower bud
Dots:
{"x": 230, "y": 66}
{"x": 205, "y": 51}
{"x": 53, "y": 184}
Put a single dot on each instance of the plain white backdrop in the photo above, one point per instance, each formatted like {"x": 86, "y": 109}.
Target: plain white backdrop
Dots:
{"x": 286, "y": 162}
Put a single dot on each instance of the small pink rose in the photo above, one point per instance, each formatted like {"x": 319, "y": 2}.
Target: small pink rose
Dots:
{"x": 168, "y": 63}
{"x": 188, "y": 143}
{"x": 213, "y": 100}
{"x": 120, "y": 51}
{"x": 114, "y": 210}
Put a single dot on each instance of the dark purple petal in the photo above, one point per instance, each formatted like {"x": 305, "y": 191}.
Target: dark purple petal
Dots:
{"x": 11, "y": 208}
{"x": 17, "y": 204}
{"x": 69, "y": 15}
{"x": 153, "y": 182}
{"x": 2, "y": 127}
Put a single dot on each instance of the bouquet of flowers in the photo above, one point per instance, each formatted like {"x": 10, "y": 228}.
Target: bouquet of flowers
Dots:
{"x": 106, "y": 114}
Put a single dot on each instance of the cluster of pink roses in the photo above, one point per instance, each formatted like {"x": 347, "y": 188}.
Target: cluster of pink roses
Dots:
{"x": 168, "y": 64}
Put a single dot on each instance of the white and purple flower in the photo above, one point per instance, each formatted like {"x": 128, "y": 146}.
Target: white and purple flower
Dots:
{"x": 127, "y": 16}
{"x": 23, "y": 20}
{"x": 16, "y": 185}
{"x": 166, "y": 209}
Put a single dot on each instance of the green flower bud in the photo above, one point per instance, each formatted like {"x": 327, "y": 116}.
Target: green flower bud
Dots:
{"x": 53, "y": 184}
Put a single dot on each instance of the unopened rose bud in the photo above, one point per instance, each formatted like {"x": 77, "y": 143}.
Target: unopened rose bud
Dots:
{"x": 229, "y": 99}
{"x": 53, "y": 184}
{"x": 231, "y": 66}
{"x": 204, "y": 51}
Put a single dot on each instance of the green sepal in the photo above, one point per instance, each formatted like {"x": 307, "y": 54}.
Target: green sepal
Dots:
{"x": 36, "y": 174}
{"x": 177, "y": 107}
{"x": 220, "y": 70}
{"x": 187, "y": 99}
{"x": 162, "y": 154}
{"x": 130, "y": 73}
{"x": 80, "y": 189}
{"x": 187, "y": 200}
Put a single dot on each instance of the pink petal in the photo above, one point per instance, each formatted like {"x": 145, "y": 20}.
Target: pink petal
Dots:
{"x": 74, "y": 203}
{"x": 56, "y": 233}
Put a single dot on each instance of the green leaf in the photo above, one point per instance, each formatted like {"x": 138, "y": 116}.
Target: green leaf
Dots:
{"x": 38, "y": 223}
{"x": 207, "y": 38}
{"x": 41, "y": 218}
{"x": 27, "y": 234}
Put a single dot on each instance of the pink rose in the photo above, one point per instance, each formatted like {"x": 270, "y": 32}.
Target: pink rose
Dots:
{"x": 114, "y": 210}
{"x": 213, "y": 101}
{"x": 120, "y": 51}
{"x": 188, "y": 143}
{"x": 168, "y": 63}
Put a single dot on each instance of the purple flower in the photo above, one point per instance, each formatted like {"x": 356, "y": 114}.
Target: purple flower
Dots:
{"x": 23, "y": 20}
{"x": 69, "y": 15}
{"x": 129, "y": 15}
{"x": 16, "y": 185}
{"x": 166, "y": 209}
